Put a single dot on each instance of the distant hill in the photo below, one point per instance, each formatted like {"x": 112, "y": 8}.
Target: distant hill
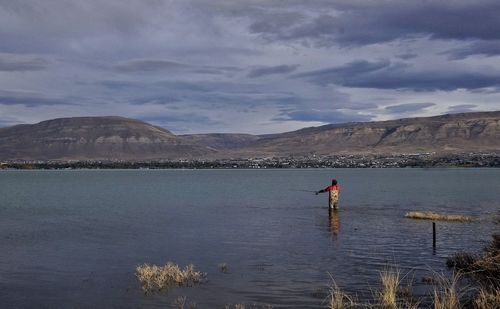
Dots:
{"x": 117, "y": 138}
{"x": 81, "y": 138}
{"x": 453, "y": 133}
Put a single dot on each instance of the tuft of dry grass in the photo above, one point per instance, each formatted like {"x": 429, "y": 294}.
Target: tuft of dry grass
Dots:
{"x": 390, "y": 285}
{"x": 243, "y": 306}
{"x": 182, "y": 302}
{"x": 462, "y": 261}
{"x": 337, "y": 299}
{"x": 223, "y": 268}
{"x": 446, "y": 294}
{"x": 156, "y": 278}
{"x": 429, "y": 215}
{"x": 484, "y": 268}
{"x": 487, "y": 299}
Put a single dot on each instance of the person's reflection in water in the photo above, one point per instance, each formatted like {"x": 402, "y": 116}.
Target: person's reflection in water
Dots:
{"x": 334, "y": 222}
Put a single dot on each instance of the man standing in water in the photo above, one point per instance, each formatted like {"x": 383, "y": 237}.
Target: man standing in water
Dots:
{"x": 333, "y": 198}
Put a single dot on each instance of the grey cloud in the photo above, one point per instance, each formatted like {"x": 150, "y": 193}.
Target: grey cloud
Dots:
{"x": 367, "y": 22}
{"x": 408, "y": 107}
{"x": 462, "y": 108}
{"x": 8, "y": 121}
{"x": 407, "y": 56}
{"x": 161, "y": 65}
{"x": 148, "y": 65}
{"x": 387, "y": 75}
{"x": 279, "y": 69}
{"x": 29, "y": 99}
{"x": 485, "y": 48}
{"x": 323, "y": 116}
{"x": 11, "y": 63}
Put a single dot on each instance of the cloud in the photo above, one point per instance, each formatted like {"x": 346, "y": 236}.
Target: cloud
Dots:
{"x": 484, "y": 48}
{"x": 279, "y": 69}
{"x": 368, "y": 22}
{"x": 160, "y": 65}
{"x": 242, "y": 63}
{"x": 462, "y": 108}
{"x": 29, "y": 99}
{"x": 8, "y": 121}
{"x": 11, "y": 63}
{"x": 388, "y": 75}
{"x": 407, "y": 56}
{"x": 327, "y": 116}
{"x": 148, "y": 65}
{"x": 408, "y": 107}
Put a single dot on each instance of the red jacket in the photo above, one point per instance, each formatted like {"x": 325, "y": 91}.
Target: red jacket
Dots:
{"x": 331, "y": 188}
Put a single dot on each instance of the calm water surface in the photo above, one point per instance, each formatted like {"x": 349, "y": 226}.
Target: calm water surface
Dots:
{"x": 73, "y": 238}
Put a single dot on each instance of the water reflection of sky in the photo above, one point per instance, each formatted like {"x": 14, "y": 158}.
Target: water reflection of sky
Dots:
{"x": 83, "y": 232}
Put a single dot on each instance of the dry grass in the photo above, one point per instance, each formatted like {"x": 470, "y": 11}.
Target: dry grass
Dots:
{"x": 429, "y": 215}
{"x": 243, "y": 306}
{"x": 155, "y": 278}
{"x": 462, "y": 261}
{"x": 487, "y": 299}
{"x": 484, "y": 268}
{"x": 337, "y": 299}
{"x": 223, "y": 268}
{"x": 446, "y": 295}
{"x": 183, "y": 303}
{"x": 390, "y": 286}
{"x": 489, "y": 264}
{"x": 392, "y": 294}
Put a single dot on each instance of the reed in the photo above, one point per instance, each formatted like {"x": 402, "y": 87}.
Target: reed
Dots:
{"x": 390, "y": 280}
{"x": 446, "y": 294}
{"x": 484, "y": 268}
{"x": 156, "y": 278}
{"x": 337, "y": 299}
{"x": 182, "y": 302}
{"x": 487, "y": 299}
{"x": 429, "y": 215}
{"x": 223, "y": 268}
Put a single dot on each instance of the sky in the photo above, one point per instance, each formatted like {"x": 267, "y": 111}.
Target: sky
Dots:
{"x": 261, "y": 66}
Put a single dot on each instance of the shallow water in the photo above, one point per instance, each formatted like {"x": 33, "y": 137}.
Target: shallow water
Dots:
{"x": 73, "y": 238}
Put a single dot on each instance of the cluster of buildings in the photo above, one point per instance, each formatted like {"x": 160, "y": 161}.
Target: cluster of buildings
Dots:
{"x": 334, "y": 161}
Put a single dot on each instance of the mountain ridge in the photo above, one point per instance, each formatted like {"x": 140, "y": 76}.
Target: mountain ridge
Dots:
{"x": 119, "y": 138}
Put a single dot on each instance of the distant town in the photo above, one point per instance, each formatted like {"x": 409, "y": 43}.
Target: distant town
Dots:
{"x": 422, "y": 160}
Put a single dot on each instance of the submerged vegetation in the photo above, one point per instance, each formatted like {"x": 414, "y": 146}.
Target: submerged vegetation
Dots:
{"x": 155, "y": 278}
{"x": 429, "y": 215}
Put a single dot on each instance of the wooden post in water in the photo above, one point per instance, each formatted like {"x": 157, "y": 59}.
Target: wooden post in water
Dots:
{"x": 434, "y": 235}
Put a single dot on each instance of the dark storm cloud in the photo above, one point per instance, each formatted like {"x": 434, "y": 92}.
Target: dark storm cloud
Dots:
{"x": 28, "y": 99}
{"x": 484, "y": 48}
{"x": 408, "y": 107}
{"x": 367, "y": 22}
{"x": 11, "y": 63}
{"x": 279, "y": 69}
{"x": 462, "y": 108}
{"x": 323, "y": 116}
{"x": 387, "y": 75}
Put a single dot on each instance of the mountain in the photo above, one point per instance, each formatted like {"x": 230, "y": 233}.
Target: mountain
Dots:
{"x": 95, "y": 138}
{"x": 466, "y": 132}
{"x": 117, "y": 138}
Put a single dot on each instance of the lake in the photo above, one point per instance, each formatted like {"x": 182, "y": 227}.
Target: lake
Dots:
{"x": 72, "y": 238}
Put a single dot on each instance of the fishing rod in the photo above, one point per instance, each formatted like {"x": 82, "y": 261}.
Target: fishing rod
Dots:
{"x": 304, "y": 190}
